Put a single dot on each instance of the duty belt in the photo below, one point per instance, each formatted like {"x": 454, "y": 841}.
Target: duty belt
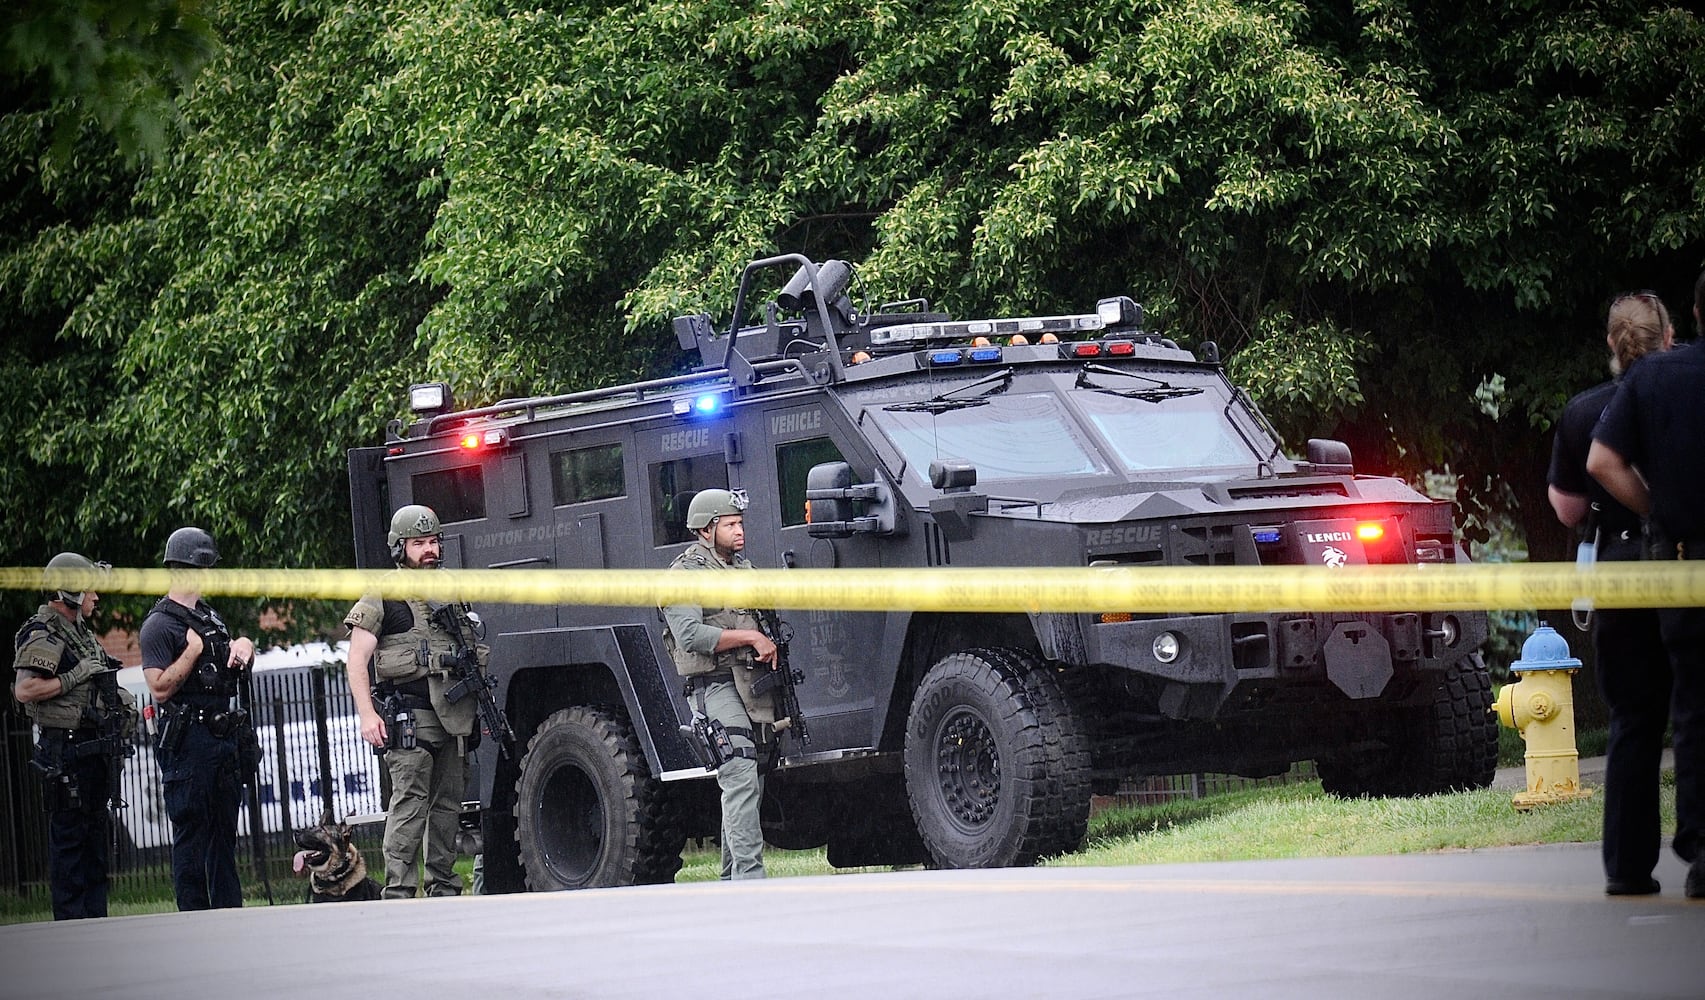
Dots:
{"x": 76, "y": 744}
{"x": 219, "y": 722}
{"x": 1688, "y": 549}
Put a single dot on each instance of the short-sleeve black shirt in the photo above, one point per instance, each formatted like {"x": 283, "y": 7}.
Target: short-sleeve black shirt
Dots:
{"x": 1657, "y": 422}
{"x": 1569, "y": 459}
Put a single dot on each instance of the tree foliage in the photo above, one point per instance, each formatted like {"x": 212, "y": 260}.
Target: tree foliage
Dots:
{"x": 1400, "y": 220}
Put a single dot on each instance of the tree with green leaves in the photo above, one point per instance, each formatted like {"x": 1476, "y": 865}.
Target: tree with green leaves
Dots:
{"x": 1400, "y": 221}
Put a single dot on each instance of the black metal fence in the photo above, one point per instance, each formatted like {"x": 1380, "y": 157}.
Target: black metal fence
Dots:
{"x": 312, "y": 760}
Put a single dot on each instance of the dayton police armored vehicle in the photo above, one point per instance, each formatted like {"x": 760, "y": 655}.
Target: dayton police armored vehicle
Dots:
{"x": 892, "y": 436}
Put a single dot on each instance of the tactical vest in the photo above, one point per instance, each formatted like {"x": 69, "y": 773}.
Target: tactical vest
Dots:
{"x": 49, "y": 642}
{"x": 418, "y": 653}
{"x": 210, "y": 684}
{"x": 693, "y": 664}
{"x": 737, "y": 663}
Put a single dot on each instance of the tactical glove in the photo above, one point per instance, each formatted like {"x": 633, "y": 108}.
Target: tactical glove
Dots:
{"x": 85, "y": 668}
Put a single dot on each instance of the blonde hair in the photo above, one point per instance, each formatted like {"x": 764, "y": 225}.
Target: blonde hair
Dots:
{"x": 1637, "y": 325}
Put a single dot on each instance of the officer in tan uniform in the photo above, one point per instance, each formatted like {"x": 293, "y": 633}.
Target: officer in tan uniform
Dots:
{"x": 719, "y": 651}
{"x": 66, "y": 685}
{"x": 399, "y": 657}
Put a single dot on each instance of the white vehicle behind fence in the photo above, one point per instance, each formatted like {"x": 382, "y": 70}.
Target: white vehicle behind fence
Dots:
{"x": 291, "y": 749}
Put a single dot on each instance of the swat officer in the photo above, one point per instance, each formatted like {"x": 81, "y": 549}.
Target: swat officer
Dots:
{"x": 718, "y": 650}
{"x": 192, "y": 666}
{"x": 67, "y": 686}
{"x": 1646, "y": 453}
{"x": 400, "y": 657}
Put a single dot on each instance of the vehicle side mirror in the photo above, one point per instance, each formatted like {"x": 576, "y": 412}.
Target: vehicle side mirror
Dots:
{"x": 952, "y": 477}
{"x": 826, "y": 509}
{"x": 1330, "y": 458}
{"x": 832, "y": 499}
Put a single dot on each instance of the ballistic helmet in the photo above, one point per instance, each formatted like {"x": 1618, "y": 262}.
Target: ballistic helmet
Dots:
{"x": 411, "y": 521}
{"x": 191, "y": 547}
{"x": 70, "y": 560}
{"x": 708, "y": 505}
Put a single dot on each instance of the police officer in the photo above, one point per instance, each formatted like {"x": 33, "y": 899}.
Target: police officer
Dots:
{"x": 400, "y": 655}
{"x": 1633, "y": 670}
{"x": 68, "y": 688}
{"x": 719, "y": 650}
{"x": 192, "y": 666}
{"x": 1646, "y": 452}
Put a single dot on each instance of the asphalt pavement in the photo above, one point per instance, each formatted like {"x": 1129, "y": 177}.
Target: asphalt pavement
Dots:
{"x": 1507, "y": 923}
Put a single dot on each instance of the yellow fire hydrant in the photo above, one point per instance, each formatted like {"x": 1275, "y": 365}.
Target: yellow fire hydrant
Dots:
{"x": 1542, "y": 707}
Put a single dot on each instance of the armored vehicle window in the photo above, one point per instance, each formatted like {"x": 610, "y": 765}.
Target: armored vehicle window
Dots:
{"x": 1006, "y": 436}
{"x": 672, "y": 487}
{"x": 793, "y": 461}
{"x": 454, "y": 494}
{"x": 1184, "y": 433}
{"x": 587, "y": 474}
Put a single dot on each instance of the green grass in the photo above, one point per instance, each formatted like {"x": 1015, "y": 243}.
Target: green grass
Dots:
{"x": 1296, "y": 821}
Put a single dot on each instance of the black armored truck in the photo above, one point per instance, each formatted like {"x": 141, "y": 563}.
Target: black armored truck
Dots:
{"x": 892, "y": 436}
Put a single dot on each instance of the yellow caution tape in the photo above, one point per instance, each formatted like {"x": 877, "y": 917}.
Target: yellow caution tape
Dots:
{"x": 1173, "y": 589}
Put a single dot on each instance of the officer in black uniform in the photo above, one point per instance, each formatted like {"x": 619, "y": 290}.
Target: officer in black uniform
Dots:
{"x": 192, "y": 665}
{"x": 1646, "y": 451}
{"x": 1633, "y": 670}
{"x": 68, "y": 688}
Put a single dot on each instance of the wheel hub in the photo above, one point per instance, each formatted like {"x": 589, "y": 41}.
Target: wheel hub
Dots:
{"x": 969, "y": 768}
{"x": 571, "y": 820}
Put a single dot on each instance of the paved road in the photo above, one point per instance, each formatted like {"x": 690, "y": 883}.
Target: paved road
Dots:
{"x": 1506, "y": 923}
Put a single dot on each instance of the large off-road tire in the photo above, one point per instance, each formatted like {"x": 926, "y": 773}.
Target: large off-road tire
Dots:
{"x": 997, "y": 766}
{"x": 588, "y": 812}
{"x": 1448, "y": 745}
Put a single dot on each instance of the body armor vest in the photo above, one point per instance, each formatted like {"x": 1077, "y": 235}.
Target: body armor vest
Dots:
{"x": 737, "y": 663}
{"x": 694, "y": 664}
{"x": 50, "y": 642}
{"x": 420, "y": 652}
{"x": 209, "y": 684}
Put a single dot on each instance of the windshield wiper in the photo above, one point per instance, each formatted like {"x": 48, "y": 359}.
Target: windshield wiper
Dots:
{"x": 941, "y": 403}
{"x": 1157, "y": 391}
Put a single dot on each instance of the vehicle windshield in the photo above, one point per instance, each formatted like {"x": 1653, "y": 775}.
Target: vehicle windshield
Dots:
{"x": 1097, "y": 428}
{"x": 1188, "y": 435}
{"x": 1009, "y": 436}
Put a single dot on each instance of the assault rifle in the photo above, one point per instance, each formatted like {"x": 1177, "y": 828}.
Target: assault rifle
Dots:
{"x": 116, "y": 743}
{"x": 464, "y": 667}
{"x": 784, "y": 678}
{"x": 248, "y": 759}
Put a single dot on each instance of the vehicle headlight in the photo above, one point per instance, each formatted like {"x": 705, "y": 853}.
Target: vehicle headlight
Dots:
{"x": 1166, "y": 647}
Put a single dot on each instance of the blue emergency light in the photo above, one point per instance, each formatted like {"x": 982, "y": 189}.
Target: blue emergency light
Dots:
{"x": 706, "y": 405}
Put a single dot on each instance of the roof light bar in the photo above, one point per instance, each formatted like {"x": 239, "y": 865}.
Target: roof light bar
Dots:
{"x": 910, "y": 333}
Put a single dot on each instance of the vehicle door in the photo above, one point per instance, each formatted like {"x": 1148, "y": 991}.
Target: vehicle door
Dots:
{"x": 834, "y": 649}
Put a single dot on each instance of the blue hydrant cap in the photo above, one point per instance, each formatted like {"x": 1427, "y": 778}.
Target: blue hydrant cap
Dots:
{"x": 1545, "y": 650}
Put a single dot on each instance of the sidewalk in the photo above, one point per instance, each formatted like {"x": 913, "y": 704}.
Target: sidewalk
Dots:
{"x": 1514, "y": 779}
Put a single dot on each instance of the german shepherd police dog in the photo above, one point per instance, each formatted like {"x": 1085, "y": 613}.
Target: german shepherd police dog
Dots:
{"x": 335, "y": 869}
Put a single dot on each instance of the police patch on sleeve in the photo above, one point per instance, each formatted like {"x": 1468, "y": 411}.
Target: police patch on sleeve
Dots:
{"x": 368, "y": 613}
{"x": 39, "y": 653}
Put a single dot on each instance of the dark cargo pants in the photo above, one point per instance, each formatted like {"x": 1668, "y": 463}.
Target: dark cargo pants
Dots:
{"x": 203, "y": 791}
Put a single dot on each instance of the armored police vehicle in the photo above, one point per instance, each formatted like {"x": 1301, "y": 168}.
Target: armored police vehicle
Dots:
{"x": 893, "y": 436}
